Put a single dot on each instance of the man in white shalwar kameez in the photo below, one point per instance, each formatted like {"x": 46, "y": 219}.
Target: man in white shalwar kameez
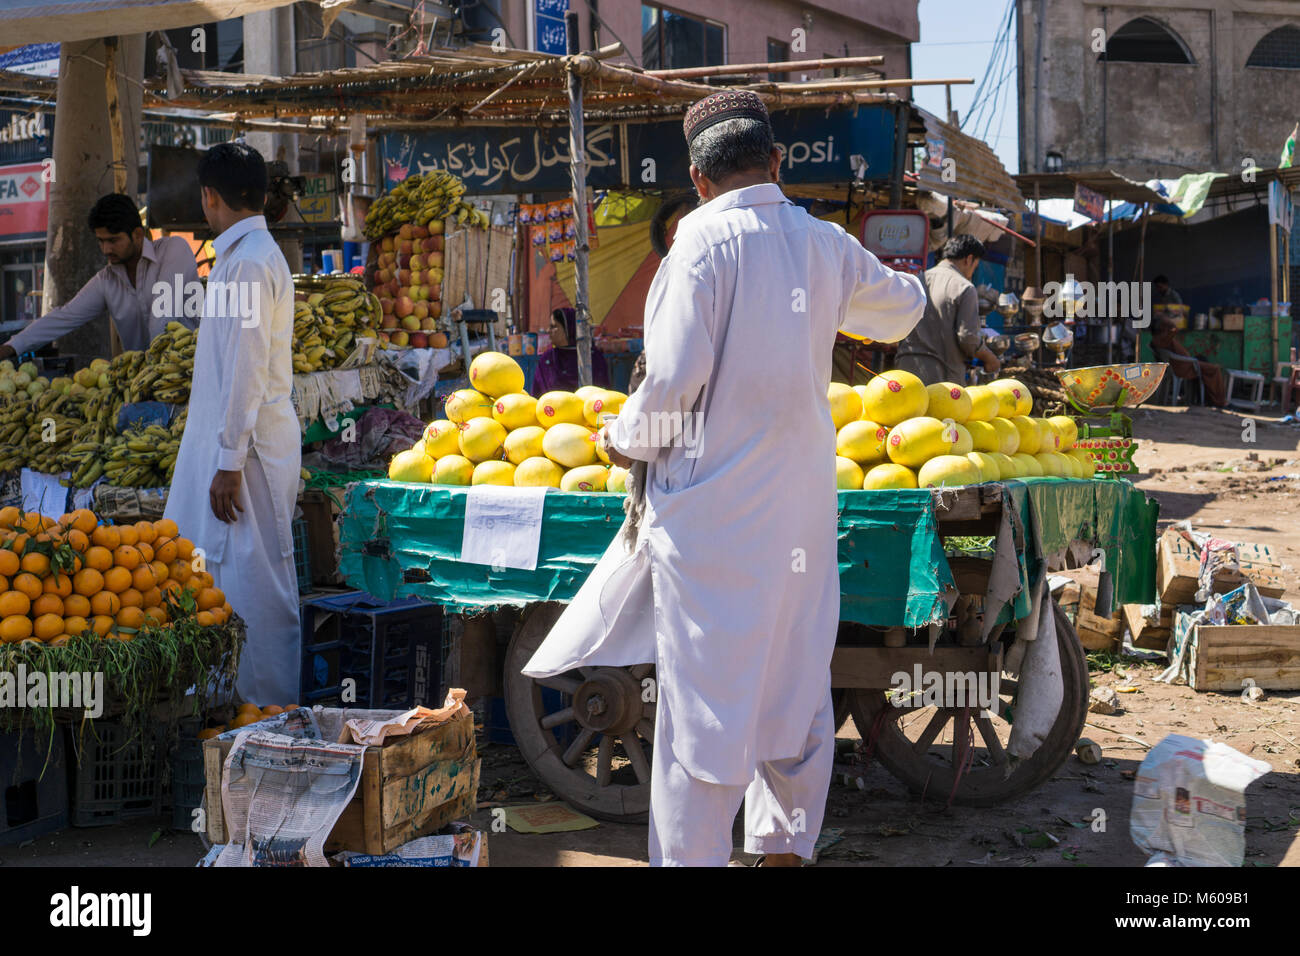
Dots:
{"x": 237, "y": 471}
{"x": 738, "y": 540}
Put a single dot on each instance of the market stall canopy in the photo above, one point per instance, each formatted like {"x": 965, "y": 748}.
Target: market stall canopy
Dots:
{"x": 975, "y": 172}
{"x": 53, "y": 21}
{"x": 1107, "y": 182}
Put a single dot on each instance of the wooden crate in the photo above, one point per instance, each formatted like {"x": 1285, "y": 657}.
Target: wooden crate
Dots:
{"x": 1148, "y": 634}
{"x": 410, "y": 787}
{"x": 1222, "y": 658}
{"x": 1178, "y": 564}
{"x": 1078, "y": 600}
{"x": 320, "y": 512}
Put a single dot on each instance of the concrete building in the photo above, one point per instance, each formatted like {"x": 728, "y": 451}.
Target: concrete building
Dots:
{"x": 1156, "y": 89}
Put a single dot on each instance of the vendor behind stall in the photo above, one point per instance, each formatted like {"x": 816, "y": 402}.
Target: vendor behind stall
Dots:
{"x": 1165, "y": 345}
{"x": 557, "y": 367}
{"x": 125, "y": 288}
{"x": 949, "y": 333}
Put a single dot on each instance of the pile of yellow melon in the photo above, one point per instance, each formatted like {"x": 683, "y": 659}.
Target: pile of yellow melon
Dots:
{"x": 897, "y": 432}
{"x": 497, "y": 434}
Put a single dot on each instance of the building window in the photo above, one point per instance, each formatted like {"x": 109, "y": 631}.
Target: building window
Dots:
{"x": 778, "y": 52}
{"x": 1279, "y": 49}
{"x": 672, "y": 41}
{"x": 1145, "y": 40}
{"x": 222, "y": 48}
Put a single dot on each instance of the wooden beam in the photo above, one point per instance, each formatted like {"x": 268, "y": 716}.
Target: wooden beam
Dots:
{"x": 780, "y": 66}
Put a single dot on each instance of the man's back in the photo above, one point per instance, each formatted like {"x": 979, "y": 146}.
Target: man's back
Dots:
{"x": 934, "y": 351}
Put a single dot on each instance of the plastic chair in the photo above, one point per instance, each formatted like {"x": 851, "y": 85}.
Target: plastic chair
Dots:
{"x": 1172, "y": 381}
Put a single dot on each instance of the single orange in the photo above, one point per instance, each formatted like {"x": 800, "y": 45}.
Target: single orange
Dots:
{"x": 88, "y": 581}
{"x": 29, "y": 584}
{"x": 116, "y": 580}
{"x": 143, "y": 578}
{"x": 14, "y": 603}
{"x": 79, "y": 540}
{"x": 210, "y": 598}
{"x": 229, "y": 611}
{"x": 106, "y": 536}
{"x": 146, "y": 551}
{"x": 204, "y": 580}
{"x": 184, "y": 548}
{"x": 31, "y": 523}
{"x": 126, "y": 556}
{"x": 75, "y": 625}
{"x": 9, "y": 563}
{"x": 180, "y": 571}
{"x": 170, "y": 586}
{"x": 84, "y": 520}
{"x": 99, "y": 558}
{"x": 146, "y": 531}
{"x": 157, "y": 614}
{"x": 9, "y": 516}
{"x": 59, "y": 641}
{"x": 128, "y": 534}
{"x": 4, "y": 583}
{"x": 166, "y": 528}
{"x": 165, "y": 550}
{"x": 76, "y": 605}
{"x": 58, "y": 583}
{"x": 20, "y": 542}
{"x": 160, "y": 571}
{"x": 131, "y": 597}
{"x": 210, "y": 732}
{"x": 36, "y": 563}
{"x": 106, "y": 603}
{"x": 270, "y": 710}
{"x": 151, "y": 597}
{"x": 16, "y": 628}
{"x": 130, "y": 617}
{"x": 47, "y": 604}
{"x": 102, "y": 624}
{"x": 47, "y": 626}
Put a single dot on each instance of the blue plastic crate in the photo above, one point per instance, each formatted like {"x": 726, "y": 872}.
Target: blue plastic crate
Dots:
{"x": 393, "y": 651}
{"x": 496, "y": 723}
{"x": 33, "y": 786}
{"x": 301, "y": 554}
{"x": 115, "y": 777}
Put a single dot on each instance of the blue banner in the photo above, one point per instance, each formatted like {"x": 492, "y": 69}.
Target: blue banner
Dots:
{"x": 548, "y": 26}
{"x": 816, "y": 147}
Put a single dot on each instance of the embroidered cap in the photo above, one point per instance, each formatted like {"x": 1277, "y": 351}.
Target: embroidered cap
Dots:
{"x": 720, "y": 106}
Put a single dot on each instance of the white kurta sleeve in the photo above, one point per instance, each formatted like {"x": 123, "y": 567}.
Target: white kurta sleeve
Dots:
{"x": 246, "y": 340}
{"x": 880, "y": 303}
{"x": 678, "y": 360}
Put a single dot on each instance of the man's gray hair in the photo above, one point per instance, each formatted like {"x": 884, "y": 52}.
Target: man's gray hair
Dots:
{"x": 732, "y": 146}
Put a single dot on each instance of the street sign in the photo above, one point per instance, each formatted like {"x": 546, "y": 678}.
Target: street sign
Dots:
{"x": 548, "y": 25}
{"x": 317, "y": 202}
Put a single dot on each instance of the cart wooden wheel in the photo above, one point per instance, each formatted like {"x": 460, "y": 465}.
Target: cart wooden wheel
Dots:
{"x": 923, "y": 747}
{"x": 590, "y": 742}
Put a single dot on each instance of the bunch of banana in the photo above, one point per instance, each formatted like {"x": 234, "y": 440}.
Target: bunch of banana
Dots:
{"x": 168, "y": 365}
{"x": 419, "y": 199}
{"x": 139, "y": 457}
{"x": 50, "y": 432}
{"x": 327, "y": 318}
{"x": 15, "y": 417}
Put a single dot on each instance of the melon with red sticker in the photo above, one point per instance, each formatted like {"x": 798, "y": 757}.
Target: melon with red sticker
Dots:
{"x": 496, "y": 374}
{"x": 586, "y": 478}
{"x": 893, "y": 397}
{"x": 556, "y": 408}
{"x": 949, "y": 400}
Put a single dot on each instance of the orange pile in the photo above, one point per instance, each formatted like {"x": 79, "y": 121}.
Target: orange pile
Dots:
{"x": 247, "y": 714}
{"x": 62, "y": 578}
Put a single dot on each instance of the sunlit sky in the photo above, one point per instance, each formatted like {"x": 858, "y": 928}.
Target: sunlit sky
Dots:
{"x": 957, "y": 41}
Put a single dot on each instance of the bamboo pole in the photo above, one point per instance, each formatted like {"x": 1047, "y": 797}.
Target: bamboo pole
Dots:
{"x": 863, "y": 83}
{"x": 578, "y": 170}
{"x": 780, "y": 66}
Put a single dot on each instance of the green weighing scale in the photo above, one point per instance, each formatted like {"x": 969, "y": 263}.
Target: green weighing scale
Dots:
{"x": 1099, "y": 394}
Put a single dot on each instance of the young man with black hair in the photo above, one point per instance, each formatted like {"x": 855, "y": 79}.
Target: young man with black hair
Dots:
{"x": 125, "y": 288}
{"x": 949, "y": 333}
{"x": 236, "y": 476}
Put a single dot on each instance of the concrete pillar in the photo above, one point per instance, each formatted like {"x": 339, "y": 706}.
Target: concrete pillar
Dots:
{"x": 83, "y": 154}
{"x": 269, "y": 49}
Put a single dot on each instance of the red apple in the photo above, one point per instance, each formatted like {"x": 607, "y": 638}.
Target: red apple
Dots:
{"x": 404, "y": 276}
{"x": 419, "y": 232}
{"x": 438, "y": 243}
{"x": 403, "y": 308}
{"x": 400, "y": 337}
{"x": 390, "y": 321}
{"x": 405, "y": 230}
{"x": 405, "y": 246}
{"x": 386, "y": 304}
{"x": 419, "y": 340}
{"x": 383, "y": 337}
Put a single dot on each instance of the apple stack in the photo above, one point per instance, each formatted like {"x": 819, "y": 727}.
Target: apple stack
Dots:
{"x": 408, "y": 281}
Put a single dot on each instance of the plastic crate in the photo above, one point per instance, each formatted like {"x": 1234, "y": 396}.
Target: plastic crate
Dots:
{"x": 187, "y": 776}
{"x": 301, "y": 554}
{"x": 33, "y": 787}
{"x": 393, "y": 651}
{"x": 496, "y": 723}
{"x": 115, "y": 778}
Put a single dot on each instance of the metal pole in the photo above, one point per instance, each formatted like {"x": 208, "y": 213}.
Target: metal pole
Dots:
{"x": 1272, "y": 291}
{"x": 578, "y": 168}
{"x": 1110, "y": 276}
{"x": 901, "y": 116}
{"x": 1038, "y": 238}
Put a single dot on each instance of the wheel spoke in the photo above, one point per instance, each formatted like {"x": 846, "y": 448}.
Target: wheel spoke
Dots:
{"x": 936, "y": 724}
{"x": 566, "y": 685}
{"x": 578, "y": 746}
{"x": 991, "y": 741}
{"x": 640, "y": 671}
{"x": 551, "y": 721}
{"x": 637, "y": 756}
{"x": 646, "y": 729}
{"x": 605, "y": 760}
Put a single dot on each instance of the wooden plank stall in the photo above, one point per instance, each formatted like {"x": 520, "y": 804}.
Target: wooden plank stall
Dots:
{"x": 410, "y": 787}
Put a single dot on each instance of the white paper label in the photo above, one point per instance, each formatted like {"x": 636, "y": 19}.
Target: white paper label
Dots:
{"x": 503, "y": 526}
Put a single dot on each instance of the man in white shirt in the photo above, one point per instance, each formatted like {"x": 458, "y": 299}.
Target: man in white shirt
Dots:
{"x": 236, "y": 478}
{"x": 140, "y": 270}
{"x": 739, "y": 533}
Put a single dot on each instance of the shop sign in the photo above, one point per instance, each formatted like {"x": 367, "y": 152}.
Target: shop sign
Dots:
{"x": 24, "y": 201}
{"x": 34, "y": 59}
{"x": 317, "y": 200}
{"x": 1089, "y": 202}
{"x": 548, "y": 25}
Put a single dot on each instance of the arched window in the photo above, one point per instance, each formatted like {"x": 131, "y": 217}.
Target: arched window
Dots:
{"x": 1280, "y": 49}
{"x": 1145, "y": 41}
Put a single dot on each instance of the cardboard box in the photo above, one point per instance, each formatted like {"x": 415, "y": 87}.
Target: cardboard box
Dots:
{"x": 1178, "y": 563}
{"x": 1228, "y": 658}
{"x": 412, "y": 786}
{"x": 1234, "y": 321}
{"x": 1149, "y": 633}
{"x": 1078, "y": 600}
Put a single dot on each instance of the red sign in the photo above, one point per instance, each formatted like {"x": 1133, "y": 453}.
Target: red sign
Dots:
{"x": 24, "y": 201}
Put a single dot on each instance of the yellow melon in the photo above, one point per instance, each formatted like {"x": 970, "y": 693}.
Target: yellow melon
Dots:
{"x": 555, "y": 408}
{"x": 466, "y": 403}
{"x": 410, "y": 465}
{"x": 453, "y": 470}
{"x": 1016, "y": 393}
{"x": 482, "y": 439}
{"x": 585, "y": 478}
{"x": 862, "y": 441}
{"x": 441, "y": 437}
{"x": 523, "y": 443}
{"x": 846, "y": 404}
{"x": 895, "y": 396}
{"x": 1065, "y": 427}
{"x": 1007, "y": 466}
{"x": 983, "y": 403}
{"x": 1085, "y": 460}
{"x": 608, "y": 402}
{"x": 848, "y": 473}
{"x": 496, "y": 374}
{"x": 989, "y": 468}
{"x": 917, "y": 440}
{"x": 949, "y": 400}
{"x": 1048, "y": 438}
{"x": 538, "y": 472}
{"x": 889, "y": 476}
{"x": 948, "y": 471}
{"x": 516, "y": 410}
{"x": 617, "y": 479}
{"x": 493, "y": 473}
{"x": 1029, "y": 465}
{"x": 569, "y": 445}
{"x": 983, "y": 436}
{"x": 1008, "y": 435}
{"x": 1029, "y": 434}
{"x": 964, "y": 443}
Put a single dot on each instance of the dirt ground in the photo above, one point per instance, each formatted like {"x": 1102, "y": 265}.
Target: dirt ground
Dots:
{"x": 1200, "y": 464}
